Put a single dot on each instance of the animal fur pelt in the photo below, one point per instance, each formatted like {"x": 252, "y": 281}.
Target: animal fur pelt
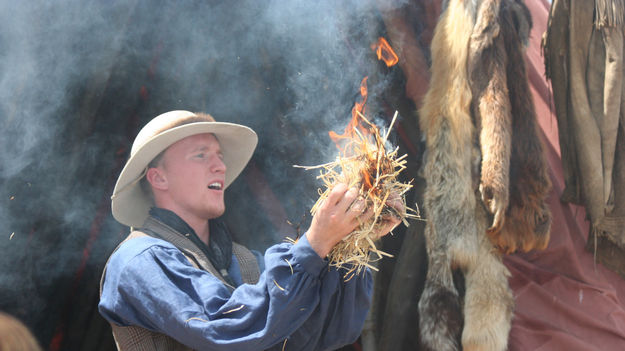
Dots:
{"x": 486, "y": 176}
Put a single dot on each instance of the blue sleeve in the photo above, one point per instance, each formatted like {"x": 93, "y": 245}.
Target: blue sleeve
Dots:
{"x": 339, "y": 317}
{"x": 149, "y": 283}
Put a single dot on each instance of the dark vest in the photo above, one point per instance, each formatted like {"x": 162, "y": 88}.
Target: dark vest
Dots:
{"x": 140, "y": 339}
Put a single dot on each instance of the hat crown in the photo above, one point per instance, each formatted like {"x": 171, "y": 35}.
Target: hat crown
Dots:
{"x": 165, "y": 122}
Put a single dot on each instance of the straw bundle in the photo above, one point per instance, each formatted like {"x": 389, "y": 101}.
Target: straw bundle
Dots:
{"x": 366, "y": 164}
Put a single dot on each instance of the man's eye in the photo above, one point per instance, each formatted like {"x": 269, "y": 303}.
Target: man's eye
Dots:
{"x": 200, "y": 155}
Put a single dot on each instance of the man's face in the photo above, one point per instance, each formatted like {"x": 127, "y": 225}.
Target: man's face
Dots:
{"x": 195, "y": 174}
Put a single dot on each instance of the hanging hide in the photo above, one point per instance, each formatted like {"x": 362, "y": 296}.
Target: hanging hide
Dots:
{"x": 486, "y": 175}
{"x": 584, "y": 58}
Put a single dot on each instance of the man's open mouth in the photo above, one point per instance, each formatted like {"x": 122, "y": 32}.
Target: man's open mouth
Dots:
{"x": 215, "y": 186}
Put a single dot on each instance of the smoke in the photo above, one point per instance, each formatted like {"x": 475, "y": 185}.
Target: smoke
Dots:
{"x": 50, "y": 55}
{"x": 78, "y": 79}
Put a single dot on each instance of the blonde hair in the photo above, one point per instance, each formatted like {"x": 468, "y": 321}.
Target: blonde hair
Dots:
{"x": 15, "y": 336}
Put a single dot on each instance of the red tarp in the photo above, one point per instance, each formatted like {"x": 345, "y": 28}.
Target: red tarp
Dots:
{"x": 564, "y": 300}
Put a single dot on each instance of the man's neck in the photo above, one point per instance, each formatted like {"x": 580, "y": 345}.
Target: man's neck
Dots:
{"x": 199, "y": 225}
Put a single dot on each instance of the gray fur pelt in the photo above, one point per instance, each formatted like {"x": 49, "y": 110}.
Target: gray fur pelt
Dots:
{"x": 486, "y": 176}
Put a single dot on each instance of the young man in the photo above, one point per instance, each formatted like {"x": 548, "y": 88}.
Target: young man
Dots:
{"x": 179, "y": 282}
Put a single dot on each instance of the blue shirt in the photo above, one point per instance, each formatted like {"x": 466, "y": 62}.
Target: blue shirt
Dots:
{"x": 150, "y": 283}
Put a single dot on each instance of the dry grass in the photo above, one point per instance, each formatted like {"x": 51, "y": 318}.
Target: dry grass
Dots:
{"x": 365, "y": 163}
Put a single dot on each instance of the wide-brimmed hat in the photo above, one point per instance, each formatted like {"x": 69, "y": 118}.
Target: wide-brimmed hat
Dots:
{"x": 130, "y": 204}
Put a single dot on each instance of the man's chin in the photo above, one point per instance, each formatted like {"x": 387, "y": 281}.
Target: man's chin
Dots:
{"x": 216, "y": 213}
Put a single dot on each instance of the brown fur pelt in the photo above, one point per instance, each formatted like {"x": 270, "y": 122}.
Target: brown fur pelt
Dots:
{"x": 486, "y": 175}
{"x": 504, "y": 113}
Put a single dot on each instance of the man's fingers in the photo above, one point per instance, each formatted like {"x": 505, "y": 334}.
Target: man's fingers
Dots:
{"x": 348, "y": 199}
{"x": 397, "y": 204}
{"x": 365, "y": 216}
{"x": 336, "y": 194}
{"x": 358, "y": 206}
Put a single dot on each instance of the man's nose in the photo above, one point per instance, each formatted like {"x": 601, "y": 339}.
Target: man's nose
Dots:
{"x": 218, "y": 166}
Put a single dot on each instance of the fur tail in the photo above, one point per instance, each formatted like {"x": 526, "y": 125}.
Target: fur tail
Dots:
{"x": 440, "y": 318}
{"x": 488, "y": 300}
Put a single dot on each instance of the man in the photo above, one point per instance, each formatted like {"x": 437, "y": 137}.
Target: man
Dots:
{"x": 179, "y": 282}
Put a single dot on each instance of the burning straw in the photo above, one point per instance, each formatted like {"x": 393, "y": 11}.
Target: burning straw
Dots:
{"x": 366, "y": 164}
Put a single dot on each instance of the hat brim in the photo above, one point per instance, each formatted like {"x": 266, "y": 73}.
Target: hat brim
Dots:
{"x": 130, "y": 205}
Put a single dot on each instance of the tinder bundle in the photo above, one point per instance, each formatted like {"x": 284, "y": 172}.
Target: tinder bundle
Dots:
{"x": 366, "y": 164}
{"x": 486, "y": 175}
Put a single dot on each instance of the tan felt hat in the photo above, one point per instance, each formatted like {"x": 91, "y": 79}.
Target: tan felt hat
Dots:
{"x": 130, "y": 204}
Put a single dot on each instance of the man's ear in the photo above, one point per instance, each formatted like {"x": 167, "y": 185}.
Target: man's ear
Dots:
{"x": 156, "y": 178}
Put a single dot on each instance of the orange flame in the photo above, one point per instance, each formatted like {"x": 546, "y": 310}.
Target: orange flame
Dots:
{"x": 356, "y": 129}
{"x": 350, "y": 130}
{"x": 385, "y": 52}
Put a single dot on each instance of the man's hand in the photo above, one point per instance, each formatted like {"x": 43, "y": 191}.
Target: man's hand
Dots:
{"x": 340, "y": 213}
{"x": 389, "y": 222}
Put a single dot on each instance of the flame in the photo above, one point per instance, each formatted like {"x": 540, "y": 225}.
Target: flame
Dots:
{"x": 385, "y": 52}
{"x": 354, "y": 124}
{"x": 359, "y": 128}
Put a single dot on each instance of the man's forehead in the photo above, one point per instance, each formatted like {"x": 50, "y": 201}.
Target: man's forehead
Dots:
{"x": 200, "y": 139}
{"x": 197, "y": 142}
